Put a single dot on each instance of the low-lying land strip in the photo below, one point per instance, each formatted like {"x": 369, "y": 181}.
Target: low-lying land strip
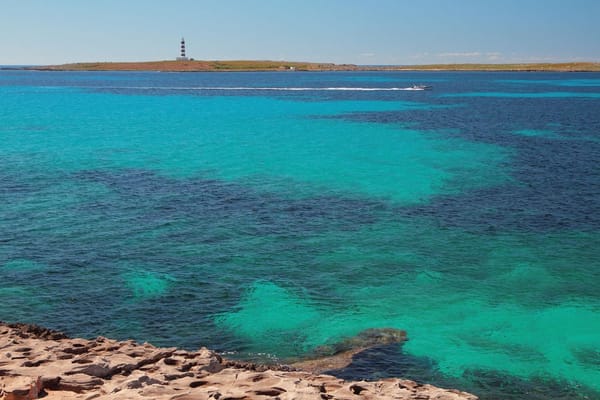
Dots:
{"x": 558, "y": 67}
{"x": 252, "y": 65}
{"x": 197, "y": 65}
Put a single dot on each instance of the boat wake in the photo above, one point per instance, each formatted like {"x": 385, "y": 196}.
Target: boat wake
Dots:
{"x": 282, "y": 89}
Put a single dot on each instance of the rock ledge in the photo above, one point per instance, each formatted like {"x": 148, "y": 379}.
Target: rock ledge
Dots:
{"x": 36, "y": 362}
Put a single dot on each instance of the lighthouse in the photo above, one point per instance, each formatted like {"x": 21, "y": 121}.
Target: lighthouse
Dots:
{"x": 182, "y": 56}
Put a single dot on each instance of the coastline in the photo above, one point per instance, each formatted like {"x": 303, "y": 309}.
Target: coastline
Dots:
{"x": 38, "y": 362}
{"x": 266, "y": 65}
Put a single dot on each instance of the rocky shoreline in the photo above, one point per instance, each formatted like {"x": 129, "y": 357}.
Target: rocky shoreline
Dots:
{"x": 36, "y": 362}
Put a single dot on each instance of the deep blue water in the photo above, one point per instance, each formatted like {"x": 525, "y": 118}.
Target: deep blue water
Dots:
{"x": 267, "y": 214}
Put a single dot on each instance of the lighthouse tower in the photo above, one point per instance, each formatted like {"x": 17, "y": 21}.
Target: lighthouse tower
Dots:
{"x": 182, "y": 56}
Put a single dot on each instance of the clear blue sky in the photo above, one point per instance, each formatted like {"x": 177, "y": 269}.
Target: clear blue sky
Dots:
{"x": 340, "y": 31}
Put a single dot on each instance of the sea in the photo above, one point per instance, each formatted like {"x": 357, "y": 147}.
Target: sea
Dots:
{"x": 267, "y": 214}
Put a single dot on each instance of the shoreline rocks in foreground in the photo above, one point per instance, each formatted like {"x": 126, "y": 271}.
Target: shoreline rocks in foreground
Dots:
{"x": 36, "y": 362}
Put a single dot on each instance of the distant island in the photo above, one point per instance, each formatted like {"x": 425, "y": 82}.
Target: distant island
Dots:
{"x": 257, "y": 65}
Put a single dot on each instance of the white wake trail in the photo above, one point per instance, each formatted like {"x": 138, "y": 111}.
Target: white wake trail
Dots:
{"x": 280, "y": 89}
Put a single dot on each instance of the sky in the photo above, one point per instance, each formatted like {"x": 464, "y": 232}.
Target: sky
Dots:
{"x": 365, "y": 32}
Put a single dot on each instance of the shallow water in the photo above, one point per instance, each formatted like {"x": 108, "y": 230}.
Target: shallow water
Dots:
{"x": 197, "y": 209}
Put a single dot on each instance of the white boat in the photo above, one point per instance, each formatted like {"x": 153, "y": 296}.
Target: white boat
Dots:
{"x": 419, "y": 87}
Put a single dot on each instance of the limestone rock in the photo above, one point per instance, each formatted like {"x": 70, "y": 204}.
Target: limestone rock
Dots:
{"x": 339, "y": 355}
{"x": 364, "y": 339}
{"x": 20, "y": 387}
{"x": 35, "y": 361}
{"x": 79, "y": 383}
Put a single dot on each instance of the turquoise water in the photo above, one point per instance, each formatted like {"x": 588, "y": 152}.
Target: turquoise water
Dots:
{"x": 267, "y": 214}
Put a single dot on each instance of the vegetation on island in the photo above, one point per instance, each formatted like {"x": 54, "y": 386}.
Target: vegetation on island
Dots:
{"x": 267, "y": 65}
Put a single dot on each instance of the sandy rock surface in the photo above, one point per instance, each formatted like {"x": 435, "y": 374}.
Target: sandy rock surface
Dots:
{"x": 41, "y": 363}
